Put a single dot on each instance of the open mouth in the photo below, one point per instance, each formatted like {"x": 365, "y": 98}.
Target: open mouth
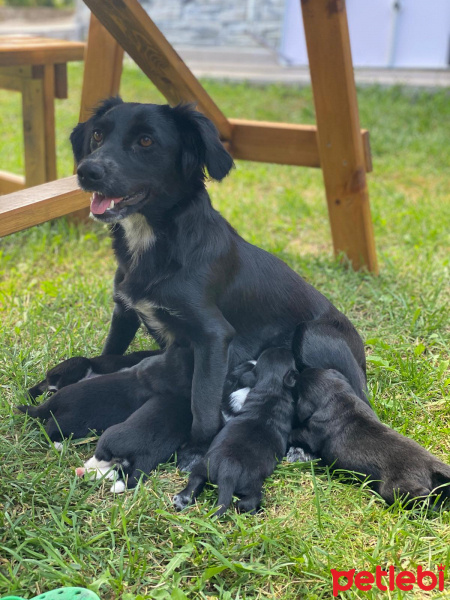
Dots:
{"x": 101, "y": 204}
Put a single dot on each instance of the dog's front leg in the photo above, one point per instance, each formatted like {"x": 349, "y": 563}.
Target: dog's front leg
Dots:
{"x": 124, "y": 324}
{"x": 210, "y": 370}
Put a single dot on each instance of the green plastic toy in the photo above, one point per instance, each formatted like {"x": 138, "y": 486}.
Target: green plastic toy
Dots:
{"x": 67, "y": 593}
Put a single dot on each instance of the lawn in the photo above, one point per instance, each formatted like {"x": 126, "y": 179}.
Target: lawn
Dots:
{"x": 55, "y": 299}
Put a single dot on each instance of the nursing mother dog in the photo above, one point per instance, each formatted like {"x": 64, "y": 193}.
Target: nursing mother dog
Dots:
{"x": 184, "y": 272}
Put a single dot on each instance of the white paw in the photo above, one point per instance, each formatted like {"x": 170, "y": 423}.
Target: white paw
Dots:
{"x": 58, "y": 446}
{"x": 298, "y": 454}
{"x": 118, "y": 487}
{"x": 99, "y": 468}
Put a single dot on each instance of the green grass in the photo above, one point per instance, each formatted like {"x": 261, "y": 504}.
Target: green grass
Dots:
{"x": 55, "y": 298}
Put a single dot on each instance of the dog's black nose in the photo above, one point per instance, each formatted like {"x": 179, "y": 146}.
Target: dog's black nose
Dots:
{"x": 90, "y": 171}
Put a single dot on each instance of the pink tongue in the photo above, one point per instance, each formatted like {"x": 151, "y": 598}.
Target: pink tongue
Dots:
{"x": 100, "y": 203}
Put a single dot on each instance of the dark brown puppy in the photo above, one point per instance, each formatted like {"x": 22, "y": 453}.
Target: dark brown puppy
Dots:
{"x": 251, "y": 443}
{"x": 340, "y": 428}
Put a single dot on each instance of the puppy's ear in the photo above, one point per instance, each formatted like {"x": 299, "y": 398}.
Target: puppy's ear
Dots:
{"x": 80, "y": 135}
{"x": 202, "y": 147}
{"x": 291, "y": 378}
{"x": 305, "y": 410}
{"x": 248, "y": 379}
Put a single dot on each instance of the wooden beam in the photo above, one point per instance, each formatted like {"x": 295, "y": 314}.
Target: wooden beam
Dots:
{"x": 131, "y": 26}
{"x": 10, "y": 183}
{"x": 102, "y": 68}
{"x": 339, "y": 138}
{"x": 282, "y": 143}
{"x": 41, "y": 203}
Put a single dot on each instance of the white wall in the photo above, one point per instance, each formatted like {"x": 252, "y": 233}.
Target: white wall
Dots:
{"x": 415, "y": 35}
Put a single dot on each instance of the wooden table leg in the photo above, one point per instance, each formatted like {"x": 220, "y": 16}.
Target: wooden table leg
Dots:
{"x": 34, "y": 131}
{"x": 339, "y": 138}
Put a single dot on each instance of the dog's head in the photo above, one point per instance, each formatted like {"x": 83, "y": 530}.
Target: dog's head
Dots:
{"x": 130, "y": 155}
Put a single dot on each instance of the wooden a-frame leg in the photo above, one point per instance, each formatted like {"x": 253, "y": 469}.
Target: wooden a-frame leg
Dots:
{"x": 339, "y": 138}
{"x": 38, "y": 113}
{"x": 102, "y": 72}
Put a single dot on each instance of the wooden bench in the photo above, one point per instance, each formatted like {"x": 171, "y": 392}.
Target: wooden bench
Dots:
{"x": 336, "y": 145}
{"x": 37, "y": 68}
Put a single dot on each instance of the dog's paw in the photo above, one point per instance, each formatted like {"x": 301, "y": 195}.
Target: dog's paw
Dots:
{"x": 298, "y": 454}
{"x": 181, "y": 501}
{"x": 97, "y": 469}
{"x": 189, "y": 455}
{"x": 118, "y": 487}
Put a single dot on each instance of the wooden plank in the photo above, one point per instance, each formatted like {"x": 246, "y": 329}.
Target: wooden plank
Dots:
{"x": 339, "y": 138}
{"x": 282, "y": 143}
{"x": 102, "y": 68}
{"x": 34, "y": 131}
{"x": 131, "y": 26}
{"x": 49, "y": 122}
{"x": 61, "y": 86}
{"x": 24, "y": 50}
{"x": 10, "y": 183}
{"x": 29, "y": 207}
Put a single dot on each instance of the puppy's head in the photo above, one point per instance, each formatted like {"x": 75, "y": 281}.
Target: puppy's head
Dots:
{"x": 274, "y": 367}
{"x": 316, "y": 389}
{"x": 132, "y": 155}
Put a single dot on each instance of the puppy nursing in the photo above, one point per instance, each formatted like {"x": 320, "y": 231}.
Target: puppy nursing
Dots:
{"x": 339, "y": 427}
{"x": 251, "y": 443}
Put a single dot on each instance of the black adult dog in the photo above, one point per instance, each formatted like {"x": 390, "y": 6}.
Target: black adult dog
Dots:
{"x": 345, "y": 433}
{"x": 183, "y": 271}
{"x": 248, "y": 448}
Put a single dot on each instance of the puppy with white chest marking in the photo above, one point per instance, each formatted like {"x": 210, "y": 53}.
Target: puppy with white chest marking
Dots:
{"x": 340, "y": 428}
{"x": 249, "y": 446}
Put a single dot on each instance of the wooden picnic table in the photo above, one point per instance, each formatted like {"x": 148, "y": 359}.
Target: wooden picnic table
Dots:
{"x": 37, "y": 68}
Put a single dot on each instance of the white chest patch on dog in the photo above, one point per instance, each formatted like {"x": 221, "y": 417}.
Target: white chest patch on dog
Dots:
{"x": 138, "y": 235}
{"x": 146, "y": 311}
{"x": 238, "y": 398}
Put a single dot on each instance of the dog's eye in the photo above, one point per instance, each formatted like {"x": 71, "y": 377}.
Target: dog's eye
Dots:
{"x": 97, "y": 136}
{"x": 145, "y": 141}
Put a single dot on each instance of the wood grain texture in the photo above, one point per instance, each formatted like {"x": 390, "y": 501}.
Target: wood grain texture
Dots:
{"x": 102, "y": 68}
{"x": 41, "y": 203}
{"x": 10, "y": 183}
{"x": 131, "y": 26}
{"x": 48, "y": 90}
{"x": 281, "y": 143}
{"x": 34, "y": 131}
{"x": 340, "y": 144}
{"x": 28, "y": 50}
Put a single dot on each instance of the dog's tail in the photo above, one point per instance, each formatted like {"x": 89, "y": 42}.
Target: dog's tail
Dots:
{"x": 42, "y": 411}
{"x": 227, "y": 481}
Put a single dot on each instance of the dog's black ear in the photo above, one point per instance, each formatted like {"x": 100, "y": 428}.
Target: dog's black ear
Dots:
{"x": 291, "y": 378}
{"x": 81, "y": 133}
{"x": 248, "y": 379}
{"x": 202, "y": 147}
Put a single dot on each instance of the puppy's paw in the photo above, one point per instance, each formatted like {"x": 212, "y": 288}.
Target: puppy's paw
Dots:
{"x": 118, "y": 487}
{"x": 298, "y": 454}
{"x": 99, "y": 468}
{"x": 181, "y": 501}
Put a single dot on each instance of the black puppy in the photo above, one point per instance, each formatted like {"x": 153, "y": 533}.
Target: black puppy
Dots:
{"x": 183, "y": 271}
{"x": 337, "y": 426}
{"x": 78, "y": 368}
{"x": 248, "y": 448}
{"x": 136, "y": 444}
{"x": 96, "y": 404}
